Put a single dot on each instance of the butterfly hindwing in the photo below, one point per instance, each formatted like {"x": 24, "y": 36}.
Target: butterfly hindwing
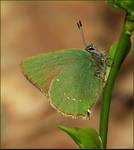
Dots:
{"x": 74, "y": 91}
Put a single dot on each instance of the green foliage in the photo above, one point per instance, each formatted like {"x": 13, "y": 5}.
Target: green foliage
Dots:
{"x": 86, "y": 138}
{"x": 127, "y": 5}
{"x": 118, "y": 52}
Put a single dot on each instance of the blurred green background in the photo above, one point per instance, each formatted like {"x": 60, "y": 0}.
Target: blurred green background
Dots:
{"x": 32, "y": 27}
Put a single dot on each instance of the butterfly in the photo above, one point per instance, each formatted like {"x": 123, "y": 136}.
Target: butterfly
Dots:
{"x": 71, "y": 78}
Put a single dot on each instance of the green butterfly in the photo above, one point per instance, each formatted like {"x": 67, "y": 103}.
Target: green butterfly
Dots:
{"x": 71, "y": 78}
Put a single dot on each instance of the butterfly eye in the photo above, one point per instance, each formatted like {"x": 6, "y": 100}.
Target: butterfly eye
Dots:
{"x": 91, "y": 49}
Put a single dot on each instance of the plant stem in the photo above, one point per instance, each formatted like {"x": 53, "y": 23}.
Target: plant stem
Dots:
{"x": 122, "y": 50}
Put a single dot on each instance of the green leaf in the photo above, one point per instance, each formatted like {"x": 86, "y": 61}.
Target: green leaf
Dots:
{"x": 127, "y": 5}
{"x": 86, "y": 138}
{"x": 67, "y": 77}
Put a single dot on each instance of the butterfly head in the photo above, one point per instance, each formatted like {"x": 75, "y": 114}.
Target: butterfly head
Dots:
{"x": 91, "y": 48}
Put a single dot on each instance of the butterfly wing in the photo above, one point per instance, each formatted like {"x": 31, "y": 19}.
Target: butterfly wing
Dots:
{"x": 67, "y": 77}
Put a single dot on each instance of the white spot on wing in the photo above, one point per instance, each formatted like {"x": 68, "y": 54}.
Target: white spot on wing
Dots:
{"x": 57, "y": 80}
{"x": 89, "y": 111}
{"x": 73, "y": 99}
{"x": 68, "y": 97}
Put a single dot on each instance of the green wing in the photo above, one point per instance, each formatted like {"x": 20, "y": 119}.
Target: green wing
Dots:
{"x": 67, "y": 77}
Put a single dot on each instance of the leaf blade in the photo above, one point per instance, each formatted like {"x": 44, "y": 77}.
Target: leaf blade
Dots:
{"x": 85, "y": 138}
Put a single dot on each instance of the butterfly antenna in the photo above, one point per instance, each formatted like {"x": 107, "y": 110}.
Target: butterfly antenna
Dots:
{"x": 79, "y": 24}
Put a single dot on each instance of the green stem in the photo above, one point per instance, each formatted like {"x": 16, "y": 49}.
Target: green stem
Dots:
{"x": 122, "y": 50}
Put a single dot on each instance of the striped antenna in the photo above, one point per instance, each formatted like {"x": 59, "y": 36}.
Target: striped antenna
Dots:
{"x": 79, "y": 24}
